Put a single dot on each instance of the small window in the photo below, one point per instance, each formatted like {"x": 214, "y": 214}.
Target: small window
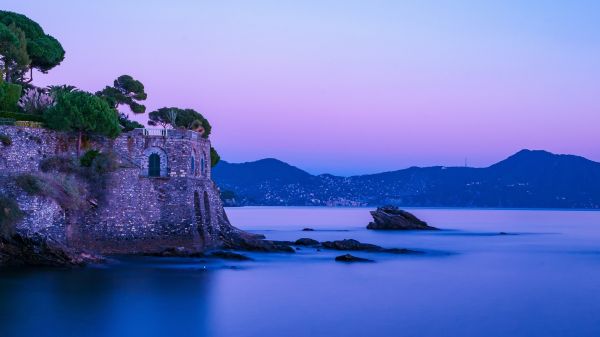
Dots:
{"x": 202, "y": 166}
{"x": 154, "y": 165}
{"x": 193, "y": 165}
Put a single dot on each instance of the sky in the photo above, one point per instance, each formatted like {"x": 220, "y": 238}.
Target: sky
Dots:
{"x": 349, "y": 87}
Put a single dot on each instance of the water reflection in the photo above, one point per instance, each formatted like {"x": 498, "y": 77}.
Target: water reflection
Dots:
{"x": 105, "y": 302}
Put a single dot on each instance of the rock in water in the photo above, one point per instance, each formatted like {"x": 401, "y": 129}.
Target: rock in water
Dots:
{"x": 36, "y": 250}
{"x": 392, "y": 218}
{"x": 351, "y": 258}
{"x": 225, "y": 255}
{"x": 306, "y": 242}
{"x": 350, "y": 244}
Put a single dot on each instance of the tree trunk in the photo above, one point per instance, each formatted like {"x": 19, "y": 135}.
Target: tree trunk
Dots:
{"x": 78, "y": 144}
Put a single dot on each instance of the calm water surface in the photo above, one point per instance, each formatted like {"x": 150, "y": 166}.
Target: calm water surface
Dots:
{"x": 544, "y": 281}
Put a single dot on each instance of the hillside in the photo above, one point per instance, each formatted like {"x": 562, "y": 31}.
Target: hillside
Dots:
{"x": 536, "y": 179}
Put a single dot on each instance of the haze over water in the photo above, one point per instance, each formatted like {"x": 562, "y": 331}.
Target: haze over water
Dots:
{"x": 545, "y": 281}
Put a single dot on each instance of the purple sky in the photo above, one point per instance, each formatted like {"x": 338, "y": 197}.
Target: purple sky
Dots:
{"x": 349, "y": 87}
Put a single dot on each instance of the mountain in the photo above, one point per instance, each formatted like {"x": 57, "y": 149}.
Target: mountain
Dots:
{"x": 527, "y": 179}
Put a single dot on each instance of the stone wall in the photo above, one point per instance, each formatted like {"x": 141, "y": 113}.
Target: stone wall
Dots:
{"x": 42, "y": 215}
{"x": 137, "y": 213}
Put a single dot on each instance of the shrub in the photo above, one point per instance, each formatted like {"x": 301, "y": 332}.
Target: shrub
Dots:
{"x": 10, "y": 96}
{"x": 104, "y": 163}
{"x": 31, "y": 184}
{"x": 10, "y": 215}
{"x": 66, "y": 190}
{"x": 60, "y": 164}
{"x": 5, "y": 140}
{"x": 87, "y": 159}
{"x": 21, "y": 117}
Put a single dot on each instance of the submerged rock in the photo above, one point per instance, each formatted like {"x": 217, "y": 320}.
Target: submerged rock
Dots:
{"x": 221, "y": 254}
{"x": 353, "y": 245}
{"x": 393, "y": 218}
{"x": 36, "y": 250}
{"x": 175, "y": 252}
{"x": 400, "y": 251}
{"x": 306, "y": 242}
{"x": 350, "y": 244}
{"x": 308, "y": 229}
{"x": 351, "y": 258}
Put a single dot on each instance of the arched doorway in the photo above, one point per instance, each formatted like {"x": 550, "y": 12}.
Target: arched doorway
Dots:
{"x": 198, "y": 216}
{"x": 207, "y": 212}
{"x": 154, "y": 165}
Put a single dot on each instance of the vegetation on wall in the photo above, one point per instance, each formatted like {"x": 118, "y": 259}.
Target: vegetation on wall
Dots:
{"x": 10, "y": 215}
{"x": 22, "y": 117}
{"x": 83, "y": 113}
{"x": 5, "y": 140}
{"x": 65, "y": 189}
{"x": 90, "y": 169}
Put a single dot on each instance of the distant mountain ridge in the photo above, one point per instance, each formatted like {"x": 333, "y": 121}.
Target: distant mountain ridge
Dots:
{"x": 527, "y": 179}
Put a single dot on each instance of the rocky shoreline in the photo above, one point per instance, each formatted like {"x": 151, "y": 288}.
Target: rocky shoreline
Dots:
{"x": 18, "y": 250}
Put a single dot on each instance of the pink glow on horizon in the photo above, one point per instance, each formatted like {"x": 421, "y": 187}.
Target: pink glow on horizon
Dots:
{"x": 350, "y": 87}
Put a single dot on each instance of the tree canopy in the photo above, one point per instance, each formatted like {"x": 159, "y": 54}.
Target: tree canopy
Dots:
{"x": 82, "y": 112}
{"x": 214, "y": 157}
{"x": 44, "y": 52}
{"x": 184, "y": 118}
{"x": 125, "y": 91}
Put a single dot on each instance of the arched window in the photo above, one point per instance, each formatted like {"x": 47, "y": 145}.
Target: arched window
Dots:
{"x": 193, "y": 165}
{"x": 154, "y": 165}
{"x": 202, "y": 166}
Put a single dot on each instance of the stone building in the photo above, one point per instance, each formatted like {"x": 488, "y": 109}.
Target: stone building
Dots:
{"x": 161, "y": 196}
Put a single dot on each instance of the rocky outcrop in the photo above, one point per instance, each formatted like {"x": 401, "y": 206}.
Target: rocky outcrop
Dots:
{"x": 393, "y": 218}
{"x": 350, "y": 244}
{"x": 36, "y": 250}
{"x": 351, "y": 258}
{"x": 235, "y": 239}
{"x": 306, "y": 242}
{"x": 353, "y": 245}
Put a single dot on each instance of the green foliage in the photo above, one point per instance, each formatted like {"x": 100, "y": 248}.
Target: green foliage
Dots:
{"x": 44, "y": 51}
{"x": 60, "y": 164}
{"x": 10, "y": 215}
{"x": 128, "y": 124}
{"x": 83, "y": 112}
{"x": 13, "y": 48}
{"x": 104, "y": 163}
{"x": 125, "y": 91}
{"x": 214, "y": 157}
{"x": 30, "y": 183}
{"x": 22, "y": 117}
{"x": 55, "y": 90}
{"x": 9, "y": 96}
{"x": 87, "y": 159}
{"x": 5, "y": 140}
{"x": 185, "y": 118}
